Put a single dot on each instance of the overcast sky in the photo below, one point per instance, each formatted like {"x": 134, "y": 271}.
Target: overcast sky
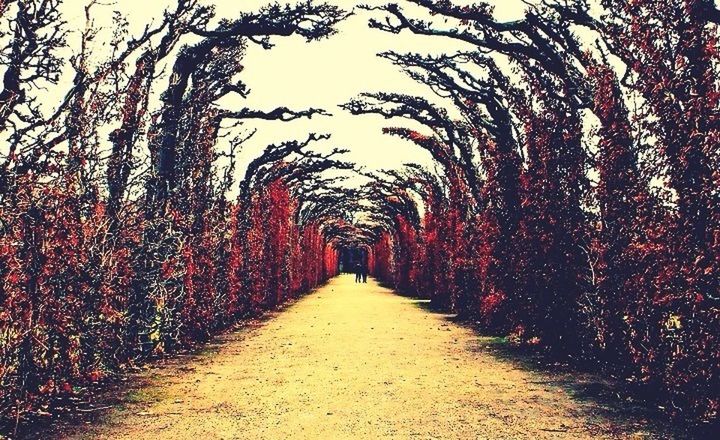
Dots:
{"x": 330, "y": 72}
{"x": 321, "y": 74}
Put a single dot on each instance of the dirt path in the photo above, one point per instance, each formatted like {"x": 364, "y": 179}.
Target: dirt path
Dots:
{"x": 361, "y": 363}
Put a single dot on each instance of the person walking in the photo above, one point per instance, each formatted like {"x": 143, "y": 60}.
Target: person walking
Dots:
{"x": 358, "y": 272}
{"x": 364, "y": 273}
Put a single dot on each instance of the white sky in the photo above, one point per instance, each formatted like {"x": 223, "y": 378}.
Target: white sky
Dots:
{"x": 320, "y": 74}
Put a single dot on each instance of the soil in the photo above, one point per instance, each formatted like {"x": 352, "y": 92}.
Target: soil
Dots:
{"x": 359, "y": 361}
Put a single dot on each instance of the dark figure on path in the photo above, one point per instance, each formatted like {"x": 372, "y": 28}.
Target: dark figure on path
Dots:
{"x": 358, "y": 272}
{"x": 364, "y": 273}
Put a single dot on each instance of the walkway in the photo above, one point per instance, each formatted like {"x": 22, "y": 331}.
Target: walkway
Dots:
{"x": 358, "y": 362}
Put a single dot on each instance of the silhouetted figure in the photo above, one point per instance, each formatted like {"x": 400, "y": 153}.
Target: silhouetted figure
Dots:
{"x": 358, "y": 272}
{"x": 364, "y": 273}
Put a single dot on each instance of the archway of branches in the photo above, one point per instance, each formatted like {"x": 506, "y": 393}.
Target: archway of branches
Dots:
{"x": 570, "y": 200}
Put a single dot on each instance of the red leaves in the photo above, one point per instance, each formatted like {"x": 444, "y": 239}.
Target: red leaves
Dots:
{"x": 284, "y": 260}
{"x": 625, "y": 271}
{"x": 67, "y": 285}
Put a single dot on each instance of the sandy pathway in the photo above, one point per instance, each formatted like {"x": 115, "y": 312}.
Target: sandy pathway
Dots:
{"x": 355, "y": 362}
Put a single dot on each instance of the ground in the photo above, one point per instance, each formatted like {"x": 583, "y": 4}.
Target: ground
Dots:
{"x": 359, "y": 361}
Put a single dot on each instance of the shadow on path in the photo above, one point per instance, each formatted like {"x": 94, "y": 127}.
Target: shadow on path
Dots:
{"x": 358, "y": 361}
{"x": 610, "y": 398}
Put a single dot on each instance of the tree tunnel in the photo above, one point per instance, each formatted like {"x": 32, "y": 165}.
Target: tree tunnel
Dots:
{"x": 569, "y": 200}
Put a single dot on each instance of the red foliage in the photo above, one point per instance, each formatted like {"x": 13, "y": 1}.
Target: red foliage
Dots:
{"x": 69, "y": 290}
{"x": 626, "y": 271}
